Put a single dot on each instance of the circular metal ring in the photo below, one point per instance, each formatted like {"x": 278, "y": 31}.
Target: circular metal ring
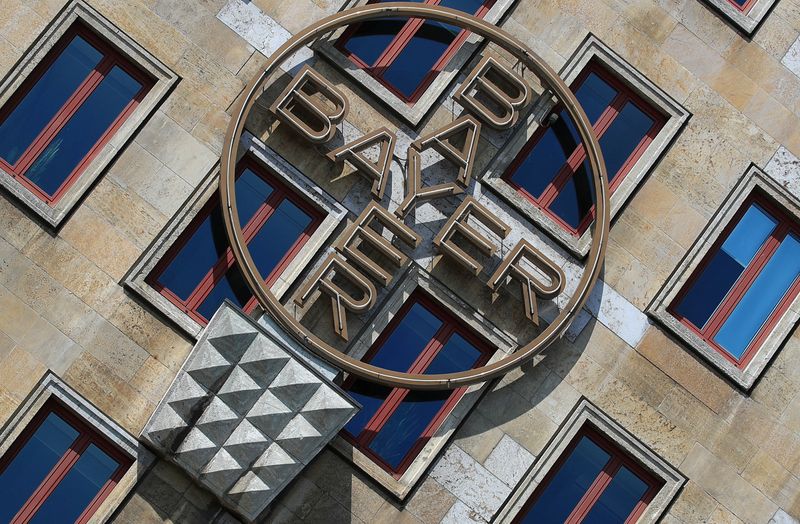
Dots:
{"x": 533, "y": 62}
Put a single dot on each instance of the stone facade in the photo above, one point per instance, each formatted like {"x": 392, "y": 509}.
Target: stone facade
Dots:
{"x": 65, "y": 306}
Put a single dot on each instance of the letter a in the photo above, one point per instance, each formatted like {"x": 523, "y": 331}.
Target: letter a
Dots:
{"x": 442, "y": 142}
{"x": 508, "y": 91}
{"x": 315, "y": 120}
{"x": 377, "y": 172}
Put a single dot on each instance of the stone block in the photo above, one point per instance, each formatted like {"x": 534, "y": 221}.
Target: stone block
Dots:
{"x": 470, "y": 482}
{"x": 460, "y": 513}
{"x": 478, "y": 436}
{"x": 19, "y": 372}
{"x": 110, "y": 346}
{"x": 685, "y": 369}
{"x": 512, "y": 414}
{"x": 773, "y": 480}
{"x": 509, "y": 461}
{"x": 174, "y": 147}
{"x": 722, "y": 482}
{"x": 693, "y": 504}
{"x": 430, "y": 502}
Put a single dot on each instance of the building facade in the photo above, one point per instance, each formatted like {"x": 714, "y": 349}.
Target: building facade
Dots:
{"x": 140, "y": 380}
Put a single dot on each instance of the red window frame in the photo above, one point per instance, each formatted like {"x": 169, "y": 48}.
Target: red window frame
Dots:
{"x": 624, "y": 95}
{"x": 450, "y": 325}
{"x": 399, "y": 42}
{"x": 111, "y": 58}
{"x": 786, "y": 225}
{"x": 744, "y": 8}
{"x": 618, "y": 458}
{"x": 220, "y": 268}
{"x": 87, "y": 436}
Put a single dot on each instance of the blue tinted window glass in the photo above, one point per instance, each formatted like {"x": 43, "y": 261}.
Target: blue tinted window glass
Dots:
{"x": 548, "y": 156}
{"x": 595, "y": 95}
{"x": 418, "y": 408}
{"x": 278, "y": 234}
{"x": 566, "y": 488}
{"x": 32, "y": 464}
{"x": 717, "y": 278}
{"x": 74, "y": 493}
{"x": 468, "y": 6}
{"x": 760, "y": 300}
{"x": 409, "y": 338}
{"x": 83, "y": 130}
{"x": 406, "y": 424}
{"x": 576, "y": 198}
{"x": 46, "y": 98}
{"x": 372, "y": 38}
{"x": 370, "y": 396}
{"x": 542, "y": 163}
{"x": 618, "y": 500}
{"x": 623, "y": 136}
{"x": 231, "y": 286}
{"x": 209, "y": 241}
{"x": 419, "y": 56}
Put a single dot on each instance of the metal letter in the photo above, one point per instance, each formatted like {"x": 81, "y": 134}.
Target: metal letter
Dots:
{"x": 340, "y": 300}
{"x": 511, "y": 97}
{"x": 440, "y": 140}
{"x": 322, "y": 125}
{"x": 532, "y": 286}
{"x": 458, "y": 223}
{"x": 377, "y": 172}
{"x": 360, "y": 230}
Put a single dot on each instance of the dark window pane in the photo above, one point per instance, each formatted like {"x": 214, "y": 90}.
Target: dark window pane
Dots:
{"x": 760, "y": 300}
{"x": 576, "y": 198}
{"x": 370, "y": 396}
{"x": 558, "y": 142}
{"x": 468, "y": 6}
{"x": 418, "y": 409}
{"x": 46, "y": 98}
{"x": 419, "y": 56}
{"x": 71, "y": 145}
{"x": 540, "y": 166}
{"x": 618, "y": 500}
{"x": 409, "y": 338}
{"x": 74, "y": 493}
{"x": 277, "y": 236}
{"x": 32, "y": 464}
{"x": 456, "y": 355}
{"x": 594, "y": 95}
{"x": 372, "y": 38}
{"x": 719, "y": 275}
{"x": 231, "y": 286}
{"x": 623, "y": 136}
{"x": 554, "y": 504}
{"x": 406, "y": 425}
{"x": 209, "y": 241}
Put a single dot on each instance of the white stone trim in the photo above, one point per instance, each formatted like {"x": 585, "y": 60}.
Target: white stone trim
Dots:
{"x": 676, "y": 116}
{"x": 746, "y": 22}
{"x": 334, "y": 213}
{"x": 415, "y": 278}
{"x": 79, "y": 11}
{"x": 586, "y": 413}
{"x": 51, "y": 386}
{"x": 754, "y": 179}
{"x": 411, "y": 114}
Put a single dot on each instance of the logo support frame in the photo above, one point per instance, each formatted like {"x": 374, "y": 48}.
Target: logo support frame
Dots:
{"x": 272, "y": 305}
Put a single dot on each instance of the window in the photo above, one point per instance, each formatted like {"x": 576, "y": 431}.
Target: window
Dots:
{"x": 199, "y": 272}
{"x": 406, "y": 55}
{"x": 58, "y": 469}
{"x": 745, "y": 283}
{"x": 742, "y": 5}
{"x": 734, "y": 297}
{"x": 594, "y": 481}
{"x": 66, "y": 110}
{"x": 593, "y": 470}
{"x": 552, "y": 169}
{"x": 542, "y": 169}
{"x": 394, "y": 424}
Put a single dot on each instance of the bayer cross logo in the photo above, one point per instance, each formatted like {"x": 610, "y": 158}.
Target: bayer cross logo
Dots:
{"x": 493, "y": 96}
